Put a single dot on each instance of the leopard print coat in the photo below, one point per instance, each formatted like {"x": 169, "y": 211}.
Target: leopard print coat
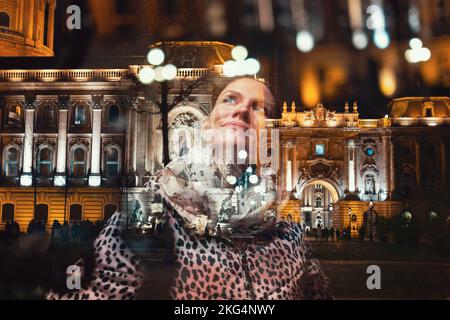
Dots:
{"x": 278, "y": 265}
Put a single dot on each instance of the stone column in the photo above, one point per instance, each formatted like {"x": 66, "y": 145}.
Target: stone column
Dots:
{"x": 386, "y": 169}
{"x": 294, "y": 165}
{"x": 95, "y": 179}
{"x": 392, "y": 171}
{"x": 61, "y": 162}
{"x": 351, "y": 166}
{"x": 51, "y": 24}
{"x": 26, "y": 179}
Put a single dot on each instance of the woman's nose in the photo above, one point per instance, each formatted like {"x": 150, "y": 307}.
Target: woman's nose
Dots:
{"x": 243, "y": 108}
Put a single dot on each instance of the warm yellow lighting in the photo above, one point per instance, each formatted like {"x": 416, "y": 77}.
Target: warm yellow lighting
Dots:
{"x": 388, "y": 82}
{"x": 310, "y": 87}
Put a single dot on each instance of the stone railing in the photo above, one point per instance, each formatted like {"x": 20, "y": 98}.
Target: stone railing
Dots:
{"x": 11, "y": 35}
{"x": 429, "y": 122}
{"x": 51, "y": 75}
{"x": 192, "y": 73}
{"x": 370, "y": 123}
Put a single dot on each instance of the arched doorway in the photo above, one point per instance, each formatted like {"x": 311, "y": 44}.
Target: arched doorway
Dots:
{"x": 183, "y": 121}
{"x": 319, "y": 200}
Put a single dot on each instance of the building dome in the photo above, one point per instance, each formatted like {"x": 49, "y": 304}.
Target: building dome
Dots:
{"x": 420, "y": 107}
{"x": 26, "y": 27}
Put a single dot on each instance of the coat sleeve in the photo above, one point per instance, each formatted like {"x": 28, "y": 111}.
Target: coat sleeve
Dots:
{"x": 117, "y": 274}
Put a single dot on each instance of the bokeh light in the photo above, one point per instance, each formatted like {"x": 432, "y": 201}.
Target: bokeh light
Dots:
{"x": 239, "y": 53}
{"x": 146, "y": 75}
{"x": 305, "y": 41}
{"x": 155, "y": 56}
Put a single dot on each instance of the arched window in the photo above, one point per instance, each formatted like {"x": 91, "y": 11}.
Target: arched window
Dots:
{"x": 12, "y": 162}
{"x": 108, "y": 211}
{"x": 7, "y": 212}
{"x": 76, "y": 212}
{"x": 78, "y": 165}
{"x": 80, "y": 115}
{"x": 41, "y": 213}
{"x": 44, "y": 162}
{"x": 14, "y": 115}
{"x": 113, "y": 114}
{"x": 48, "y": 115}
{"x": 318, "y": 200}
{"x": 4, "y": 19}
{"x": 112, "y": 162}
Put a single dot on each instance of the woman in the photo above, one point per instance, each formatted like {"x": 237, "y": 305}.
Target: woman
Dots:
{"x": 227, "y": 244}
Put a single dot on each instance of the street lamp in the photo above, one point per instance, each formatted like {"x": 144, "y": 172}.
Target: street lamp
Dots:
{"x": 160, "y": 73}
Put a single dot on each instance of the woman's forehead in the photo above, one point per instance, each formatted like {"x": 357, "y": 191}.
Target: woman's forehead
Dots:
{"x": 250, "y": 87}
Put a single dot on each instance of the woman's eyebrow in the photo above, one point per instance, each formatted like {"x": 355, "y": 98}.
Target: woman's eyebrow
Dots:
{"x": 232, "y": 92}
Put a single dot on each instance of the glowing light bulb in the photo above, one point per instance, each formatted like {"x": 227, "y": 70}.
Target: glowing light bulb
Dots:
{"x": 252, "y": 66}
{"x": 159, "y": 74}
{"x": 146, "y": 75}
{"x": 242, "y": 154}
{"x": 381, "y": 39}
{"x": 169, "y": 72}
{"x": 231, "y": 180}
{"x": 253, "y": 179}
{"x": 155, "y": 56}
{"x": 304, "y": 41}
{"x": 359, "y": 39}
{"x": 239, "y": 53}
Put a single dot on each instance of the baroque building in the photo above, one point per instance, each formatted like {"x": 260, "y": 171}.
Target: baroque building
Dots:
{"x": 27, "y": 27}
{"x": 81, "y": 144}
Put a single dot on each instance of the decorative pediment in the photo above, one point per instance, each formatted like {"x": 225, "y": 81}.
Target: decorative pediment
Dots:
{"x": 321, "y": 117}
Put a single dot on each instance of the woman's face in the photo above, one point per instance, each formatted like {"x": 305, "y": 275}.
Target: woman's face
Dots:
{"x": 241, "y": 106}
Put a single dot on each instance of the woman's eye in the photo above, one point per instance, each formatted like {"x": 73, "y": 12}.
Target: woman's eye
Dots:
{"x": 230, "y": 100}
{"x": 258, "y": 106}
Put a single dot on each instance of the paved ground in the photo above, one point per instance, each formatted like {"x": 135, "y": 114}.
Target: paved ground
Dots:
{"x": 406, "y": 272}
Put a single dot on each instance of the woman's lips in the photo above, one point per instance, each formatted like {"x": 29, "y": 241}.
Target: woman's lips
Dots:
{"x": 236, "y": 125}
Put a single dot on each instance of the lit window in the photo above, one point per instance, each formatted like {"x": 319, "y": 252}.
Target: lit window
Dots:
{"x": 12, "y": 162}
{"x": 78, "y": 163}
{"x": 320, "y": 149}
{"x": 318, "y": 202}
{"x": 113, "y": 114}
{"x": 44, "y": 162}
{"x": 80, "y": 115}
{"x": 370, "y": 152}
{"x": 112, "y": 162}
{"x": 14, "y": 115}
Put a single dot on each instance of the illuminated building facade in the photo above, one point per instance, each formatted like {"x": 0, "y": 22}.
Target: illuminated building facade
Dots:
{"x": 334, "y": 163}
{"x": 27, "y": 27}
{"x": 80, "y": 144}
